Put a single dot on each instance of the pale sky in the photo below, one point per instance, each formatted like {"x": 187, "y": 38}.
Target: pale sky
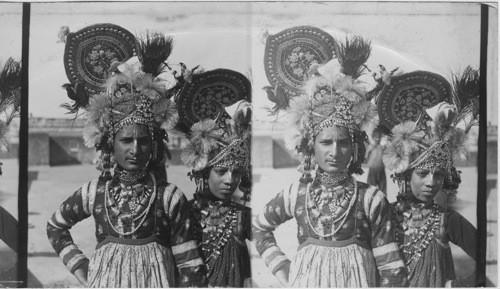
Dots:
{"x": 10, "y": 31}
{"x": 440, "y": 37}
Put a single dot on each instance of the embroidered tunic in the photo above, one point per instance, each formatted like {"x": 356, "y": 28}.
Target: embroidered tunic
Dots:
{"x": 435, "y": 266}
{"x": 232, "y": 266}
{"x": 167, "y": 224}
{"x": 367, "y": 236}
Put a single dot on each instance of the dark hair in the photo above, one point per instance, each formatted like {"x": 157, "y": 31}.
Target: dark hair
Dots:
{"x": 454, "y": 183}
{"x": 157, "y": 163}
{"x": 359, "y": 138}
{"x": 200, "y": 178}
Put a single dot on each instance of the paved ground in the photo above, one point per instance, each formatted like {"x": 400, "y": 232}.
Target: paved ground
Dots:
{"x": 52, "y": 185}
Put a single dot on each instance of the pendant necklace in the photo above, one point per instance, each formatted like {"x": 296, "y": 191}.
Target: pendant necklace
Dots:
{"x": 139, "y": 208}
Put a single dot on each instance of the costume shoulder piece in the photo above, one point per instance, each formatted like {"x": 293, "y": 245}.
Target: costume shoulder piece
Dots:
{"x": 119, "y": 80}
{"x": 90, "y": 52}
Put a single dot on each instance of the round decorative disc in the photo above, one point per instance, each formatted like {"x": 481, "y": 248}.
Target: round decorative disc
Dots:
{"x": 90, "y": 52}
{"x": 409, "y": 94}
{"x": 290, "y": 53}
{"x": 209, "y": 93}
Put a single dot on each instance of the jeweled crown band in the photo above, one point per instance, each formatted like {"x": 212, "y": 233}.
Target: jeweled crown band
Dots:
{"x": 133, "y": 120}
{"x": 237, "y": 152}
{"x": 334, "y": 121}
{"x": 341, "y": 115}
{"x": 437, "y": 155}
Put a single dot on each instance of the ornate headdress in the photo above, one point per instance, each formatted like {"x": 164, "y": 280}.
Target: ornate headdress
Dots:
{"x": 287, "y": 58}
{"x": 334, "y": 95}
{"x": 10, "y": 99}
{"x": 215, "y": 136}
{"x": 118, "y": 80}
{"x": 430, "y": 123}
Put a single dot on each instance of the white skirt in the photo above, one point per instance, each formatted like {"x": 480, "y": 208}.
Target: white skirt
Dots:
{"x": 121, "y": 263}
{"x": 319, "y": 264}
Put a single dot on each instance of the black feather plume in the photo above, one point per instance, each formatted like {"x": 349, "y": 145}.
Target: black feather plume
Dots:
{"x": 353, "y": 54}
{"x": 154, "y": 51}
{"x": 277, "y": 95}
{"x": 465, "y": 87}
{"x": 10, "y": 76}
{"x": 79, "y": 96}
{"x": 10, "y": 97}
{"x": 10, "y": 89}
{"x": 466, "y": 96}
{"x": 10, "y": 85}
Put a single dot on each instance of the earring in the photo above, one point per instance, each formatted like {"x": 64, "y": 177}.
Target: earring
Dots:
{"x": 106, "y": 165}
{"x": 151, "y": 158}
{"x": 451, "y": 196}
{"x": 403, "y": 191}
{"x": 205, "y": 186}
{"x": 306, "y": 176}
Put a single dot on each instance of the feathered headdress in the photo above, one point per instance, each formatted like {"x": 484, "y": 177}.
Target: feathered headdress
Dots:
{"x": 131, "y": 96}
{"x": 120, "y": 83}
{"x": 438, "y": 136}
{"x": 333, "y": 96}
{"x": 216, "y": 111}
{"x": 96, "y": 53}
{"x": 10, "y": 98}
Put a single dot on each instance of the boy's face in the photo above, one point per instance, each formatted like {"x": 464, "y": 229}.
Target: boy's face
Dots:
{"x": 333, "y": 148}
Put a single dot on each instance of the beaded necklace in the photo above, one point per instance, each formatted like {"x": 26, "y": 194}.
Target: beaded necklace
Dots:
{"x": 139, "y": 207}
{"x": 425, "y": 233}
{"x": 130, "y": 177}
{"x": 133, "y": 196}
{"x": 330, "y": 219}
{"x": 221, "y": 235}
{"x": 336, "y": 199}
{"x": 331, "y": 179}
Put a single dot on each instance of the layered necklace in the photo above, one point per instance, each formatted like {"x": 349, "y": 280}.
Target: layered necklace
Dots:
{"x": 129, "y": 203}
{"x": 328, "y": 191}
{"x": 221, "y": 230}
{"x": 409, "y": 218}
